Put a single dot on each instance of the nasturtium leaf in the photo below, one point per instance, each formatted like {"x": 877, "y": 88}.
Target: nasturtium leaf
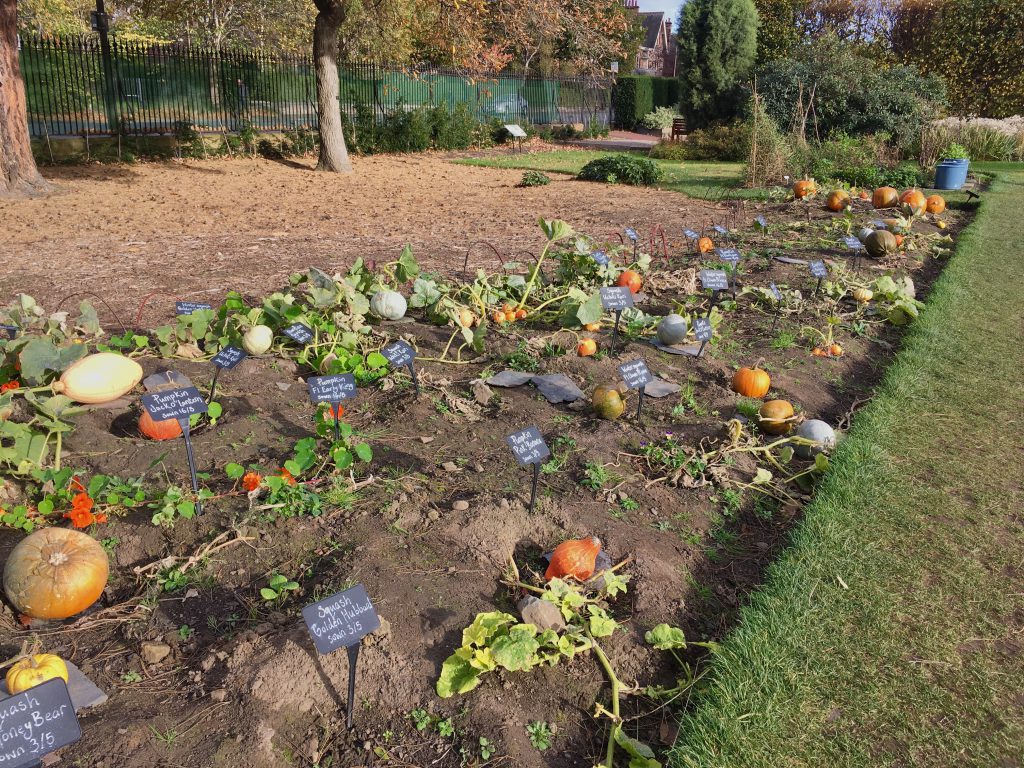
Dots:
{"x": 364, "y": 452}
{"x": 234, "y": 471}
{"x": 342, "y": 458}
{"x": 214, "y": 410}
{"x": 45, "y": 506}
{"x": 293, "y": 467}
{"x": 376, "y": 360}
{"x": 665, "y": 637}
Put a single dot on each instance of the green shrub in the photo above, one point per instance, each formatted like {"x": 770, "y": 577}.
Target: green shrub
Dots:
{"x": 621, "y": 169}
{"x": 632, "y": 98}
{"x": 980, "y": 141}
{"x": 864, "y": 161}
{"x": 660, "y": 119}
{"x": 669, "y": 150}
{"x": 719, "y": 142}
{"x": 665, "y": 92}
{"x": 534, "y": 179}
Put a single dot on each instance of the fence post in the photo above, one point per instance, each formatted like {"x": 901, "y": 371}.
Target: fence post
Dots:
{"x": 107, "y": 64}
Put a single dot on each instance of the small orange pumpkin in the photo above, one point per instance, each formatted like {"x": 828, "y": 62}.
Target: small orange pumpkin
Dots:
{"x": 776, "y": 417}
{"x": 885, "y": 197}
{"x": 835, "y": 350}
{"x": 804, "y": 188}
{"x": 705, "y": 245}
{"x": 630, "y": 279}
{"x": 510, "y": 316}
{"x": 914, "y": 198}
{"x": 499, "y": 318}
{"x": 935, "y": 204}
{"x": 865, "y": 195}
{"x": 576, "y": 558}
{"x": 521, "y": 314}
{"x": 837, "y": 200}
{"x": 586, "y": 348}
{"x": 592, "y": 327}
{"x": 55, "y": 573}
{"x": 168, "y": 429}
{"x": 751, "y": 382}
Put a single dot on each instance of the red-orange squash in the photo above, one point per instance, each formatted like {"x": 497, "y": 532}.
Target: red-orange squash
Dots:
{"x": 935, "y": 204}
{"x": 586, "y": 347}
{"x": 158, "y": 430}
{"x": 751, "y": 382}
{"x": 914, "y": 198}
{"x": 705, "y": 245}
{"x": 55, "y": 573}
{"x": 630, "y": 279}
{"x": 576, "y": 558}
{"x": 804, "y": 188}
{"x": 837, "y": 200}
{"x": 885, "y": 197}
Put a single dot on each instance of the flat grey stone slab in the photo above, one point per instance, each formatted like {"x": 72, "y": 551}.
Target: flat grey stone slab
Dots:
{"x": 84, "y": 693}
{"x": 509, "y": 379}
{"x": 165, "y": 380}
{"x": 661, "y": 388}
{"x": 788, "y": 260}
{"x": 557, "y": 388}
{"x": 690, "y": 349}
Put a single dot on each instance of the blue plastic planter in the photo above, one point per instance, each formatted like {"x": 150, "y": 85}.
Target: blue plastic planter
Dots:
{"x": 951, "y": 174}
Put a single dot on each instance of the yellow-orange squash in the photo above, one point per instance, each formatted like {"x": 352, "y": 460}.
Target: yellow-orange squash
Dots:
{"x": 751, "y": 382}
{"x": 168, "y": 429}
{"x": 99, "y": 378}
{"x": 885, "y": 197}
{"x": 35, "y": 670}
{"x": 705, "y": 245}
{"x": 55, "y": 573}
{"x": 804, "y": 188}
{"x": 837, "y": 200}
{"x": 935, "y": 204}
{"x": 775, "y": 417}
{"x": 630, "y": 279}
{"x": 607, "y": 402}
{"x": 586, "y": 347}
{"x": 576, "y": 558}
{"x": 914, "y": 198}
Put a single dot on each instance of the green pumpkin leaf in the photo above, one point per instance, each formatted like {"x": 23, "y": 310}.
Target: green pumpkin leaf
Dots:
{"x": 457, "y": 676}
{"x": 665, "y": 637}
{"x": 515, "y": 651}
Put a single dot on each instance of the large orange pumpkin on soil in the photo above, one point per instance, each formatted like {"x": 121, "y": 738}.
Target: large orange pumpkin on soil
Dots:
{"x": 837, "y": 200}
{"x": 935, "y": 204}
{"x": 158, "y": 430}
{"x": 576, "y": 558}
{"x": 705, "y": 245}
{"x": 775, "y": 417}
{"x": 751, "y": 382}
{"x": 804, "y": 188}
{"x": 630, "y": 279}
{"x": 55, "y": 573}
{"x": 885, "y": 197}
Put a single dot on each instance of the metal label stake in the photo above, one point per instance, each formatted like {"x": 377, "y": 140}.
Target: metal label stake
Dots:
{"x": 615, "y": 330}
{"x": 213, "y": 386}
{"x": 353, "y": 660}
{"x": 186, "y": 428}
{"x": 415, "y": 381}
{"x": 336, "y": 412}
{"x": 533, "y": 488}
{"x": 640, "y": 402}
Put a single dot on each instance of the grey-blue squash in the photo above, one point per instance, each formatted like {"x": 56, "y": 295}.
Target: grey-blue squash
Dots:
{"x": 672, "y": 330}
{"x": 822, "y": 434}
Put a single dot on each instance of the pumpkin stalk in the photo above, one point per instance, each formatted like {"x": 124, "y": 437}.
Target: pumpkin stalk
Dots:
{"x": 533, "y": 275}
{"x": 614, "y": 681}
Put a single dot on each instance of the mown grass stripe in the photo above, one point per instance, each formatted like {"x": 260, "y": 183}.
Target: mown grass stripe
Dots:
{"x": 917, "y": 660}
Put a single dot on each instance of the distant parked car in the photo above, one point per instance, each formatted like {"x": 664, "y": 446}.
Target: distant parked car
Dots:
{"x": 510, "y": 105}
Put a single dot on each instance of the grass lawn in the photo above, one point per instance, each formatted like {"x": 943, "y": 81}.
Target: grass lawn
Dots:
{"x": 890, "y": 632}
{"x": 695, "y": 178}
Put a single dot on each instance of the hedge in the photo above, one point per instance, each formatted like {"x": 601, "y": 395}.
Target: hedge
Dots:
{"x": 632, "y": 98}
{"x": 665, "y": 92}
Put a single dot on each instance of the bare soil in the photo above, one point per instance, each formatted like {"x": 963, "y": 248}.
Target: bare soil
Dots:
{"x": 246, "y": 686}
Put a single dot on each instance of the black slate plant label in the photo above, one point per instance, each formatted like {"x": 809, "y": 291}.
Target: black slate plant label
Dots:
{"x": 818, "y": 269}
{"x": 10, "y": 331}
{"x": 877, "y": 224}
{"x": 228, "y": 357}
{"x": 188, "y": 307}
{"x": 853, "y": 243}
{"x": 690, "y": 234}
{"x": 714, "y": 280}
{"x": 528, "y": 446}
{"x": 631, "y": 234}
{"x": 174, "y": 404}
{"x": 600, "y": 257}
{"x": 616, "y": 298}
{"x": 702, "y": 329}
{"x": 720, "y": 229}
{"x": 299, "y": 333}
{"x": 35, "y": 723}
{"x": 635, "y": 374}
{"x": 776, "y": 293}
{"x": 341, "y": 620}
{"x": 730, "y": 255}
{"x": 399, "y": 353}
{"x": 331, "y": 389}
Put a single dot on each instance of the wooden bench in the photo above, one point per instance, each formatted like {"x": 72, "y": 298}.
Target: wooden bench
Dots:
{"x": 678, "y": 128}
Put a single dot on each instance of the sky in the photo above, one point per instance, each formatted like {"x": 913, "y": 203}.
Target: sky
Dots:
{"x": 670, "y": 7}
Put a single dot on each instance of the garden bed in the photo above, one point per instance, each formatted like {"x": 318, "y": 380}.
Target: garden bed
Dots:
{"x": 429, "y": 525}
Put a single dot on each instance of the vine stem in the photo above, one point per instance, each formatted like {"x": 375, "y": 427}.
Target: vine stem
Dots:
{"x": 614, "y": 681}
{"x": 533, "y": 275}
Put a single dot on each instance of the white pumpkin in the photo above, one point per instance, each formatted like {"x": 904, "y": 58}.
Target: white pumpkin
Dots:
{"x": 672, "y": 330}
{"x": 99, "y": 378}
{"x": 864, "y": 233}
{"x": 388, "y": 305}
{"x": 258, "y": 339}
{"x": 822, "y": 434}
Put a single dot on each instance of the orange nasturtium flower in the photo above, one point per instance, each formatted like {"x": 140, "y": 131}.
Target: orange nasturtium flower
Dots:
{"x": 10, "y": 385}
{"x": 251, "y": 481}
{"x": 288, "y": 476}
{"x": 81, "y": 514}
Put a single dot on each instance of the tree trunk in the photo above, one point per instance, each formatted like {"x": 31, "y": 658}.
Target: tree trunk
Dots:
{"x": 18, "y": 172}
{"x": 333, "y": 153}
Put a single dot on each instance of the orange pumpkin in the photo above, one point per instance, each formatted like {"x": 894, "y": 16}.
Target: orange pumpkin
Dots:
{"x": 510, "y": 316}
{"x": 499, "y": 318}
{"x": 521, "y": 314}
{"x": 837, "y": 200}
{"x": 913, "y": 197}
{"x": 576, "y": 558}
{"x": 885, "y": 197}
{"x": 865, "y": 195}
{"x": 586, "y": 348}
{"x": 168, "y": 429}
{"x": 705, "y": 245}
{"x": 835, "y": 350}
{"x": 466, "y": 318}
{"x": 804, "y": 188}
{"x": 630, "y": 279}
{"x": 751, "y": 382}
{"x": 55, "y": 573}
{"x": 935, "y": 204}
{"x": 775, "y": 417}
{"x": 592, "y": 327}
